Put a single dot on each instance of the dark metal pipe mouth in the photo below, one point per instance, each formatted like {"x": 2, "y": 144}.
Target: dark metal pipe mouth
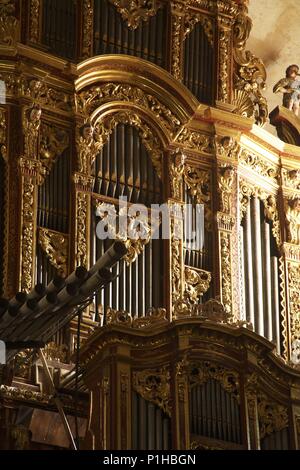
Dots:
{"x": 105, "y": 274}
{"x": 120, "y": 248}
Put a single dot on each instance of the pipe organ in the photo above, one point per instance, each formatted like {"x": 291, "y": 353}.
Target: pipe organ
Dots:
{"x": 259, "y": 263}
{"x": 195, "y": 341}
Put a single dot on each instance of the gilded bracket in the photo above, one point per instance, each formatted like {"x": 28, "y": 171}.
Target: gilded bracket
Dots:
{"x": 56, "y": 246}
{"x": 154, "y": 386}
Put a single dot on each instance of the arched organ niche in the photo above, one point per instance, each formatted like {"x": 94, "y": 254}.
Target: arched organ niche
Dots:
{"x": 146, "y": 39}
{"x": 259, "y": 264}
{"x": 197, "y": 238}
{"x": 199, "y": 64}
{"x": 59, "y": 27}
{"x": 124, "y": 169}
{"x": 214, "y": 412}
{"x": 53, "y": 217}
{"x": 151, "y": 427}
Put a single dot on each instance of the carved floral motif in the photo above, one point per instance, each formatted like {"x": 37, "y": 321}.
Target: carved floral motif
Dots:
{"x": 136, "y": 11}
{"x": 154, "y": 386}
{"x": 55, "y": 245}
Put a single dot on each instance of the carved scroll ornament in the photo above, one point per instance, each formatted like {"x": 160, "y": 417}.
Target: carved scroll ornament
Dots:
{"x": 250, "y": 73}
{"x": 55, "y": 245}
{"x": 154, "y": 386}
{"x": 136, "y": 11}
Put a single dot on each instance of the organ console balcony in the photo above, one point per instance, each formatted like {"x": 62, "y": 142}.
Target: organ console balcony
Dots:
{"x": 195, "y": 342}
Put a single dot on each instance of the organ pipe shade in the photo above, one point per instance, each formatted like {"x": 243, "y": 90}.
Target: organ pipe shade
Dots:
{"x": 214, "y": 412}
{"x": 124, "y": 168}
{"x": 54, "y": 194}
{"x": 151, "y": 428}
{"x": 278, "y": 440}
{"x": 113, "y": 36}
{"x": 199, "y": 68}
{"x": 59, "y": 27}
{"x": 261, "y": 275}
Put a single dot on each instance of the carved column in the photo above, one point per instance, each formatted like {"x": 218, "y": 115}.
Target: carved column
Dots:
{"x": 35, "y": 22}
{"x": 4, "y": 183}
{"x": 252, "y": 418}
{"x": 225, "y": 19}
{"x": 227, "y": 287}
{"x": 291, "y": 254}
{"x": 178, "y": 9}
{"x": 31, "y": 174}
{"x": 175, "y": 266}
{"x": 181, "y": 406}
{"x": 87, "y": 29}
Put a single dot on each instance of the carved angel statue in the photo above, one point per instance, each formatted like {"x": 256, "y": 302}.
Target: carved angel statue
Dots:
{"x": 88, "y": 147}
{"x": 290, "y": 87}
{"x": 293, "y": 220}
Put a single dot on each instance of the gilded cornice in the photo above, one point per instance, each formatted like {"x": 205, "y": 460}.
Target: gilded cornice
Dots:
{"x": 233, "y": 344}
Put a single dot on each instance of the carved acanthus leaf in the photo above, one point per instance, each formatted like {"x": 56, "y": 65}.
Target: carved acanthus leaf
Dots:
{"x": 55, "y": 245}
{"x": 53, "y": 142}
{"x": 136, "y": 11}
{"x": 91, "y": 99}
{"x": 250, "y": 73}
{"x": 9, "y": 25}
{"x": 200, "y": 373}
{"x": 198, "y": 182}
{"x": 154, "y": 386}
{"x": 273, "y": 417}
{"x": 197, "y": 282}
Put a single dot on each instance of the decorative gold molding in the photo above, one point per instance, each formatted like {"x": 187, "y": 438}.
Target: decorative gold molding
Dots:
{"x": 176, "y": 170}
{"x": 192, "y": 18}
{"x": 260, "y": 165}
{"x": 226, "y": 176}
{"x": 224, "y": 61}
{"x": 199, "y": 183}
{"x": 197, "y": 282}
{"x": 53, "y": 142}
{"x": 201, "y": 372}
{"x": 226, "y": 273}
{"x": 292, "y": 215}
{"x": 291, "y": 179}
{"x": 9, "y": 25}
{"x": 56, "y": 247}
{"x": 34, "y": 21}
{"x": 177, "y": 263}
{"x": 154, "y": 317}
{"x": 81, "y": 228}
{"x": 293, "y": 270}
{"x": 136, "y": 11}
{"x": 31, "y": 126}
{"x": 25, "y": 86}
{"x": 154, "y": 386}
{"x": 194, "y": 140}
{"x": 91, "y": 139}
{"x": 273, "y": 417}
{"x": 93, "y": 98}
{"x": 227, "y": 147}
{"x": 250, "y": 73}
{"x": 88, "y": 28}
{"x": 30, "y": 173}
{"x": 177, "y": 24}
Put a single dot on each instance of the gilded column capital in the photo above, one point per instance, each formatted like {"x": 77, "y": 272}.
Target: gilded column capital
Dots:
{"x": 83, "y": 182}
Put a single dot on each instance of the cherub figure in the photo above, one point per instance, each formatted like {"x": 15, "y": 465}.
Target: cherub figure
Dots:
{"x": 290, "y": 87}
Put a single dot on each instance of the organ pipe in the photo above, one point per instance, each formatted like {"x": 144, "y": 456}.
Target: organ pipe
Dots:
{"x": 113, "y": 36}
{"x": 257, "y": 266}
{"x": 266, "y": 242}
